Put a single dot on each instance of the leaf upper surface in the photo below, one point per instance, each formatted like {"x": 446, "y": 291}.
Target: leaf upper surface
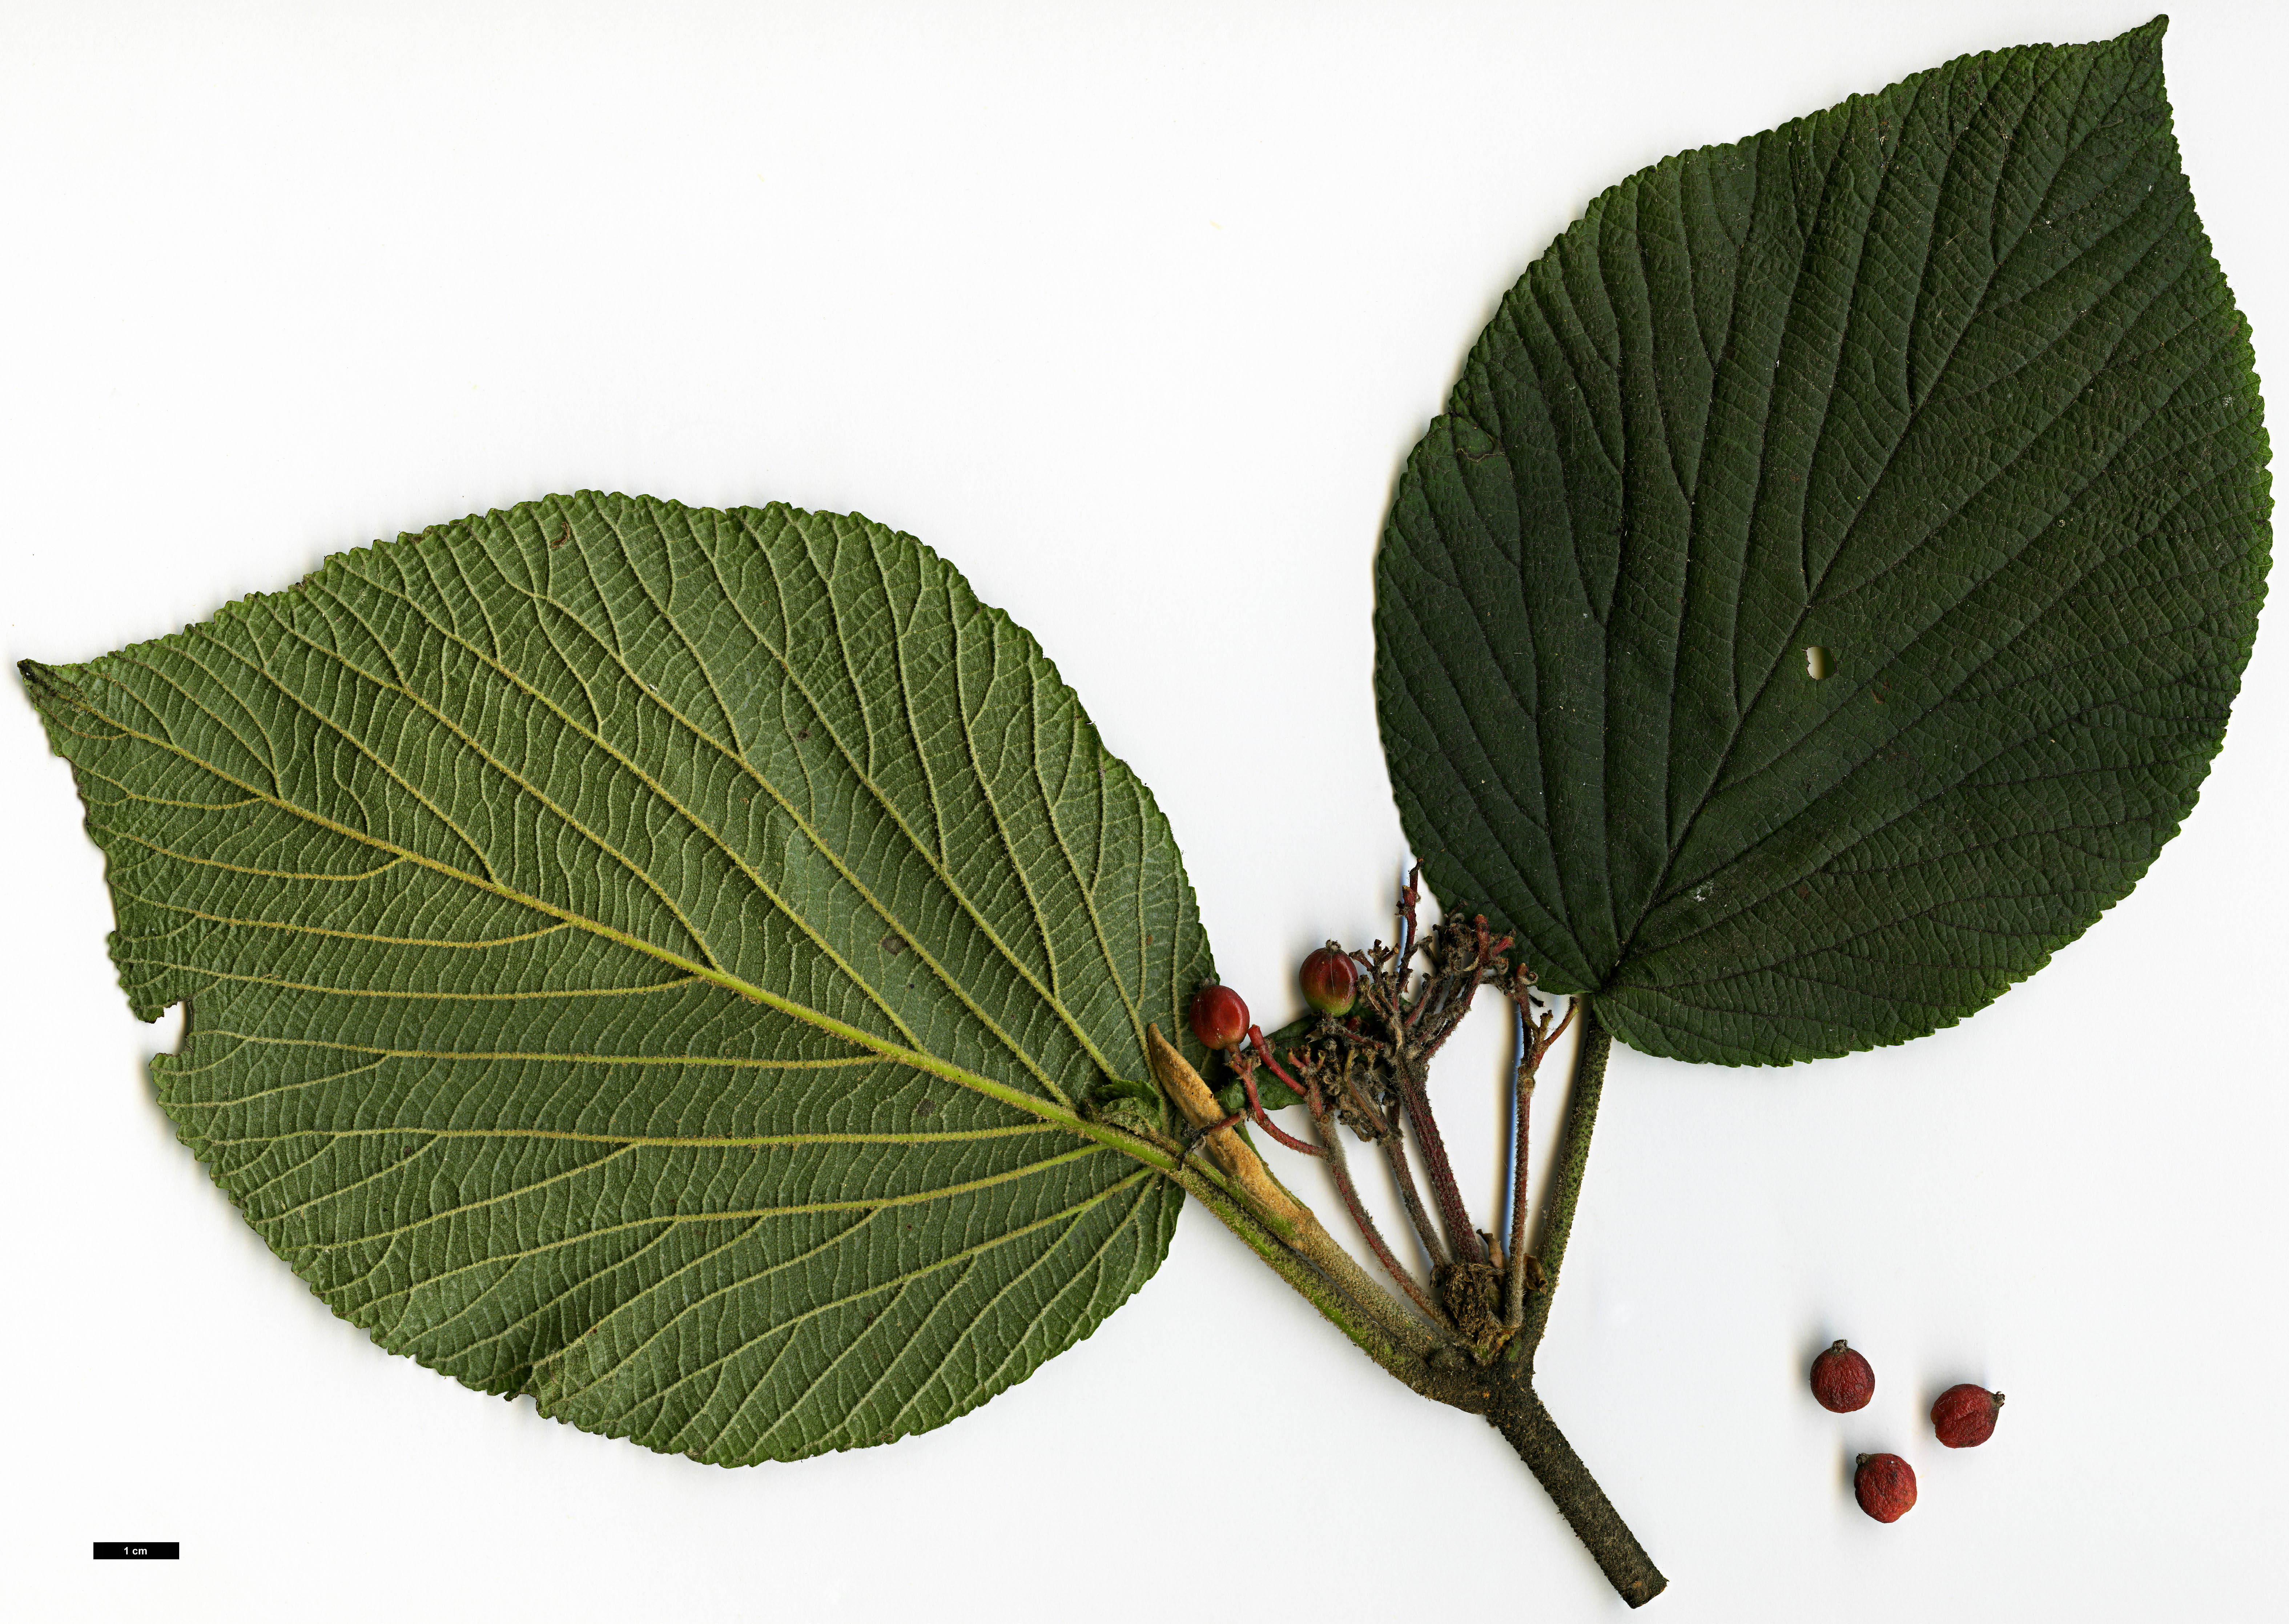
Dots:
{"x": 650, "y": 958}
{"x": 1941, "y": 382}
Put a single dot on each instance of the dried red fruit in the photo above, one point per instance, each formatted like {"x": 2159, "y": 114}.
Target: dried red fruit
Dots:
{"x": 1843, "y": 1380}
{"x": 1964, "y": 1415}
{"x": 1885, "y": 1485}
{"x": 1330, "y": 982}
{"x": 1218, "y": 1015}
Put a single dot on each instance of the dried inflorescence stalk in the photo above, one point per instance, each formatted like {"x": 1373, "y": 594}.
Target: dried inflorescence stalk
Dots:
{"x": 1365, "y": 1067}
{"x": 1360, "y": 1064}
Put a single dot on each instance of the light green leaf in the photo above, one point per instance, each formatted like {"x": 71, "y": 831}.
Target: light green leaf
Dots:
{"x": 1942, "y": 383}
{"x": 653, "y": 959}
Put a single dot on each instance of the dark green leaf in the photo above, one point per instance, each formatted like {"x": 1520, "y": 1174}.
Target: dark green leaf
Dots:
{"x": 1942, "y": 381}
{"x": 652, "y": 959}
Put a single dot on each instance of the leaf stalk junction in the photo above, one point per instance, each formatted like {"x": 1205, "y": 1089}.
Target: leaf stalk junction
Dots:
{"x": 1467, "y": 1335}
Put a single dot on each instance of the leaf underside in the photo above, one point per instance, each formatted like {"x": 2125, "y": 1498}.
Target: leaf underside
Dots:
{"x": 650, "y": 958}
{"x": 1943, "y": 382}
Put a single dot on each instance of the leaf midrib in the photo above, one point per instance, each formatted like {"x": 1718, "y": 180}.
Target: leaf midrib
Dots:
{"x": 792, "y": 1209}
{"x": 2031, "y": 618}
{"x": 1661, "y": 893}
{"x": 920, "y": 1060}
{"x": 702, "y": 1141}
{"x": 740, "y": 763}
{"x": 707, "y": 830}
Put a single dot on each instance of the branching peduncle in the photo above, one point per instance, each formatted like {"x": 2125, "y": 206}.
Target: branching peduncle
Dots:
{"x": 1402, "y": 1175}
{"x": 1331, "y": 1140}
{"x": 1461, "y": 1239}
{"x": 1365, "y": 1069}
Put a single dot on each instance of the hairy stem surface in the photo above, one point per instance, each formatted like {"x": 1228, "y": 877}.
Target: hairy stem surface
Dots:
{"x": 1329, "y": 1128}
{"x": 1394, "y": 1151}
{"x": 1462, "y": 1238}
{"x": 1521, "y": 1109}
{"x": 1565, "y": 1186}
{"x": 1518, "y": 1414}
{"x": 1501, "y": 1391}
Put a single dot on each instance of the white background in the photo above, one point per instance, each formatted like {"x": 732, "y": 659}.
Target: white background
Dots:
{"x": 1131, "y": 313}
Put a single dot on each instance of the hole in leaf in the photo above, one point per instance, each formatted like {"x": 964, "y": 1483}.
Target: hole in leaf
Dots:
{"x": 1818, "y": 663}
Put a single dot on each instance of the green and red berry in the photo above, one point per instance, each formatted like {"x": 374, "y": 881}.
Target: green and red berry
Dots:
{"x": 1219, "y": 1017}
{"x": 1330, "y": 980}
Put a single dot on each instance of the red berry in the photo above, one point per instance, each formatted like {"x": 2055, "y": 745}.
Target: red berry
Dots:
{"x": 1219, "y": 1017}
{"x": 1842, "y": 1379}
{"x": 1885, "y": 1485}
{"x": 1330, "y": 982}
{"x": 1964, "y": 1415}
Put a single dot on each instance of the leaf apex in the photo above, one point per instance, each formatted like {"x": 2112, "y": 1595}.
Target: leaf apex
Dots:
{"x": 44, "y": 684}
